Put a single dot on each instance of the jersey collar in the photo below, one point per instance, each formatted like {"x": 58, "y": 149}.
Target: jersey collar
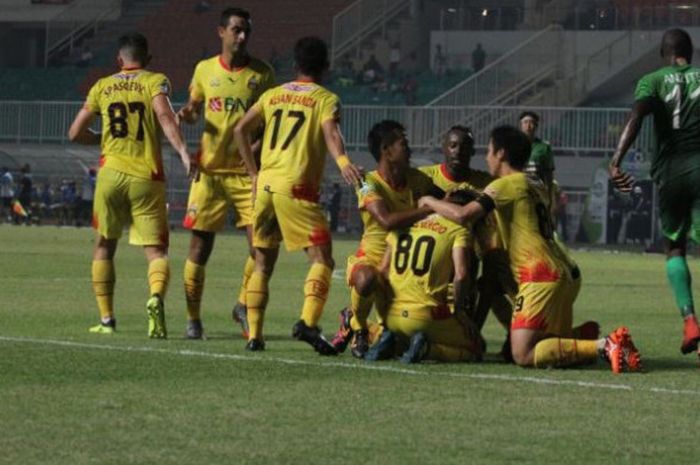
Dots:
{"x": 132, "y": 69}
{"x": 228, "y": 68}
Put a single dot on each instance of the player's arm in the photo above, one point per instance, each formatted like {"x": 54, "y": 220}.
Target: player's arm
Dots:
{"x": 336, "y": 146}
{"x": 461, "y": 214}
{"x": 167, "y": 119}
{"x": 460, "y": 259}
{"x": 190, "y": 112}
{"x": 80, "y": 131}
{"x": 624, "y": 181}
{"x": 395, "y": 220}
{"x": 386, "y": 262}
{"x": 242, "y": 133}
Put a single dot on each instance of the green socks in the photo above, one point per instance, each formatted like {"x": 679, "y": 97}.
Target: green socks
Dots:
{"x": 679, "y": 278}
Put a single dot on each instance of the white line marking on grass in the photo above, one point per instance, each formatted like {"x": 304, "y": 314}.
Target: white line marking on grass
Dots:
{"x": 370, "y": 367}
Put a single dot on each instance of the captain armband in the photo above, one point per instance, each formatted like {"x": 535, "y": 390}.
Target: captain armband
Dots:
{"x": 486, "y": 203}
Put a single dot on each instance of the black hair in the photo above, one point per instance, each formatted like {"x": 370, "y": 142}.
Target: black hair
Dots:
{"x": 462, "y": 196}
{"x": 530, "y": 114}
{"x": 514, "y": 143}
{"x": 677, "y": 42}
{"x": 467, "y": 132}
{"x": 382, "y": 134}
{"x": 135, "y": 46}
{"x": 311, "y": 56}
{"x": 240, "y": 12}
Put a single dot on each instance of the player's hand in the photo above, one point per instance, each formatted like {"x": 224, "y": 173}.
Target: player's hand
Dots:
{"x": 426, "y": 201}
{"x": 622, "y": 181}
{"x": 191, "y": 165}
{"x": 352, "y": 175}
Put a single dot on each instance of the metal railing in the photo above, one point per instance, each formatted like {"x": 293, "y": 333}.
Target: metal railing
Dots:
{"x": 361, "y": 19}
{"x": 82, "y": 16}
{"x": 568, "y": 128}
{"x": 506, "y": 72}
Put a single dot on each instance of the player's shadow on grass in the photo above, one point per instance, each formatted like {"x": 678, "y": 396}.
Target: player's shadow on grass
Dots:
{"x": 687, "y": 362}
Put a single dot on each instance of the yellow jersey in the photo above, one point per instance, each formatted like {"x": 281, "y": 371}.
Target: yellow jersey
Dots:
{"x": 226, "y": 94}
{"x": 374, "y": 188}
{"x": 293, "y": 148}
{"x": 421, "y": 268}
{"x": 485, "y": 230}
{"x": 525, "y": 226}
{"x": 476, "y": 179}
{"x": 131, "y": 135}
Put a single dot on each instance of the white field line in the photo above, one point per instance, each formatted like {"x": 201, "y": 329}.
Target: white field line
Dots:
{"x": 356, "y": 366}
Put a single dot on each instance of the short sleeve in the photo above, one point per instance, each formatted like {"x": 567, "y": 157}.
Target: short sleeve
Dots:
{"x": 645, "y": 88}
{"x": 160, "y": 85}
{"x": 330, "y": 109}
{"x": 367, "y": 193}
{"x": 92, "y": 103}
{"x": 500, "y": 192}
{"x": 196, "y": 86}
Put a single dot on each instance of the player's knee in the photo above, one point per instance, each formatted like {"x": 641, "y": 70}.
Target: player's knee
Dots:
{"x": 522, "y": 356}
{"x": 364, "y": 280}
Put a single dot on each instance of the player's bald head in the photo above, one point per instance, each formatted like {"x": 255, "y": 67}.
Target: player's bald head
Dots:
{"x": 134, "y": 48}
{"x": 677, "y": 43}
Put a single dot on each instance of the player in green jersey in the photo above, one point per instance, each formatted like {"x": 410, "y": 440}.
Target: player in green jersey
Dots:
{"x": 541, "y": 159}
{"x": 672, "y": 95}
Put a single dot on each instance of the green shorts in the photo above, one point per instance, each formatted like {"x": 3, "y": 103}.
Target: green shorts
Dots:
{"x": 679, "y": 206}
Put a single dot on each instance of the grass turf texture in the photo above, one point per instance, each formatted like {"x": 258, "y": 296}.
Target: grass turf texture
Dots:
{"x": 67, "y": 396}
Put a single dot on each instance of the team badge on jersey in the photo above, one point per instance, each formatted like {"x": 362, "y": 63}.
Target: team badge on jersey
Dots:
{"x": 214, "y": 82}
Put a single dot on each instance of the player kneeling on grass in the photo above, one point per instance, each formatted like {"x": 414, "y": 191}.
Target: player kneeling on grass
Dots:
{"x": 420, "y": 263}
{"x": 134, "y": 107}
{"x": 387, "y": 201}
{"x": 541, "y": 328}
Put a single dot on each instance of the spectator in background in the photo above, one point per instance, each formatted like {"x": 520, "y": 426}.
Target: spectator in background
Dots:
{"x": 478, "y": 58}
{"x": 86, "y": 57}
{"x": 24, "y": 196}
{"x": 371, "y": 70}
{"x": 394, "y": 59}
{"x": 87, "y": 195}
{"x": 68, "y": 197}
{"x": 7, "y": 192}
{"x": 45, "y": 201}
{"x": 334, "y": 205}
{"x": 410, "y": 89}
{"x": 439, "y": 62}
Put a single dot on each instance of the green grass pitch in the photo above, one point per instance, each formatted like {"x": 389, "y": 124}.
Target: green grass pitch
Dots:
{"x": 70, "y": 397}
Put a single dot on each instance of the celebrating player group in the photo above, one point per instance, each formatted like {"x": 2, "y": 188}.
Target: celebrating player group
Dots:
{"x": 442, "y": 245}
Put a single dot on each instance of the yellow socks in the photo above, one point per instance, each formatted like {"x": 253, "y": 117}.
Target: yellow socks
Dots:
{"x": 361, "y": 307}
{"x": 194, "y": 285}
{"x": 318, "y": 281}
{"x": 103, "y": 285}
{"x": 247, "y": 271}
{"x": 158, "y": 276}
{"x": 256, "y": 300}
{"x": 559, "y": 352}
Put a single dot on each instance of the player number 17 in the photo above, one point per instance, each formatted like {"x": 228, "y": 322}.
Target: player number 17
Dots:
{"x": 277, "y": 116}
